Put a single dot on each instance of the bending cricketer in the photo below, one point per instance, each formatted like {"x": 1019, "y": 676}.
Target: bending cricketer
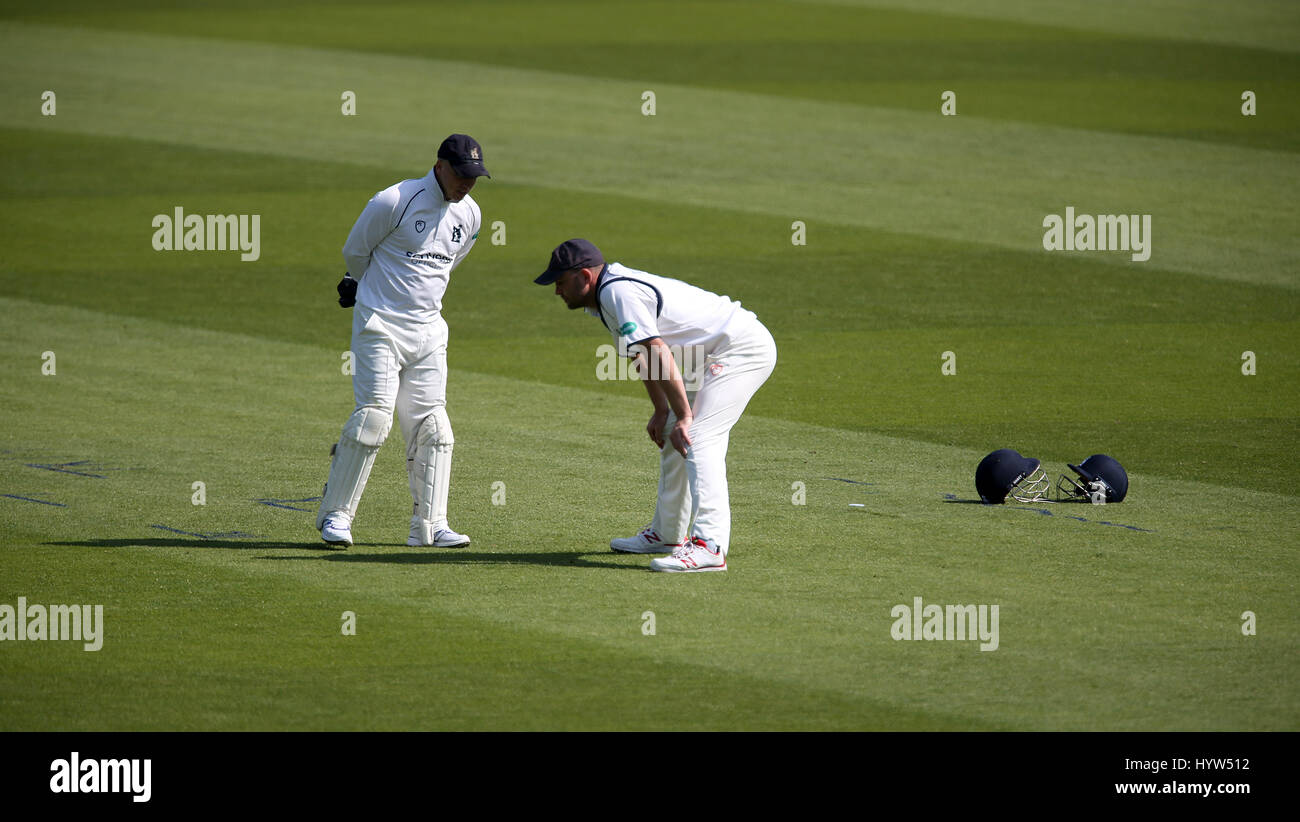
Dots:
{"x": 649, "y": 316}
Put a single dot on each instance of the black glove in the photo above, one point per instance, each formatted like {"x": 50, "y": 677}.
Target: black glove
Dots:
{"x": 347, "y": 292}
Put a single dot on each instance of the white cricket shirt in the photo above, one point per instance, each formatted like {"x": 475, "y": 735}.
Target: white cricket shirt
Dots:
{"x": 636, "y": 305}
{"x": 405, "y": 245}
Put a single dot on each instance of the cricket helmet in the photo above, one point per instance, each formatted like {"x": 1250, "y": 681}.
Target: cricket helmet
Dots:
{"x": 1103, "y": 477}
{"x": 1006, "y": 473}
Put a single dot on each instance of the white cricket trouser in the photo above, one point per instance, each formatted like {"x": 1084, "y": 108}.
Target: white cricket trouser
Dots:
{"x": 401, "y": 369}
{"x": 694, "y": 487}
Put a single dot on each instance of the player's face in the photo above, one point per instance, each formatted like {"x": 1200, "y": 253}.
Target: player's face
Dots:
{"x": 573, "y": 287}
{"x": 454, "y": 186}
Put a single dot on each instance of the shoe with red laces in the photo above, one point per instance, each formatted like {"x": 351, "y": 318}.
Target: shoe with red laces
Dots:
{"x": 695, "y": 555}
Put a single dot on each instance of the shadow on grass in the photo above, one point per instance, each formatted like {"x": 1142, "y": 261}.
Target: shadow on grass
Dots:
{"x": 406, "y": 556}
{"x": 454, "y": 556}
{"x": 174, "y": 542}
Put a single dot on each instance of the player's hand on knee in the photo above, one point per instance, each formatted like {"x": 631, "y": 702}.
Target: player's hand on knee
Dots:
{"x": 655, "y": 428}
{"x": 347, "y": 292}
{"x": 680, "y": 436}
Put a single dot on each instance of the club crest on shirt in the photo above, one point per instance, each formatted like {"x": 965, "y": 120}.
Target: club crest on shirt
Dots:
{"x": 715, "y": 368}
{"x": 455, "y": 234}
{"x": 419, "y": 226}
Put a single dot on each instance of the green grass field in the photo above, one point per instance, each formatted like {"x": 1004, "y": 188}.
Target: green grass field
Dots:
{"x": 923, "y": 236}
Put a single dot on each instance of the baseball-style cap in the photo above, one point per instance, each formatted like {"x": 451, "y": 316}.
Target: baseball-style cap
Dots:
{"x": 465, "y": 155}
{"x": 568, "y": 255}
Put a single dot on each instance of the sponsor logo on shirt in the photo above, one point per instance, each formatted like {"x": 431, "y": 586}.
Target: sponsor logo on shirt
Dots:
{"x": 428, "y": 257}
{"x": 627, "y": 328}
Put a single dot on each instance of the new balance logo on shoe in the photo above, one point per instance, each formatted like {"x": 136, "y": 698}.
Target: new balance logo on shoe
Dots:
{"x": 646, "y": 542}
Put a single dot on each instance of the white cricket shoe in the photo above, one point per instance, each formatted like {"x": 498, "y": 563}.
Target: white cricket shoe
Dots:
{"x": 442, "y": 538}
{"x": 447, "y": 538}
{"x": 336, "y": 531}
{"x": 695, "y": 555}
{"x": 646, "y": 542}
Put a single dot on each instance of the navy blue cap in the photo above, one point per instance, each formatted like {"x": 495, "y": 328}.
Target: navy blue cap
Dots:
{"x": 465, "y": 155}
{"x": 568, "y": 255}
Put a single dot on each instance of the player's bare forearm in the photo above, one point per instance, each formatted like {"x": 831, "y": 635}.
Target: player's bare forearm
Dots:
{"x": 655, "y": 427}
{"x": 657, "y": 396}
{"x": 662, "y": 379}
{"x": 667, "y": 391}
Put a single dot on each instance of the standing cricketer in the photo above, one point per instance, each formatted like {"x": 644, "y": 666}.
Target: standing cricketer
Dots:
{"x": 400, "y": 255}
{"x": 649, "y": 317}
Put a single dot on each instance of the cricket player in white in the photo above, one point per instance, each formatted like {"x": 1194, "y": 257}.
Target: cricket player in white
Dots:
{"x": 649, "y": 316}
{"x": 400, "y": 255}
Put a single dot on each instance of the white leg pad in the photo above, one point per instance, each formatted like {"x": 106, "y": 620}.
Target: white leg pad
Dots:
{"x": 430, "y": 468}
{"x": 354, "y": 456}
